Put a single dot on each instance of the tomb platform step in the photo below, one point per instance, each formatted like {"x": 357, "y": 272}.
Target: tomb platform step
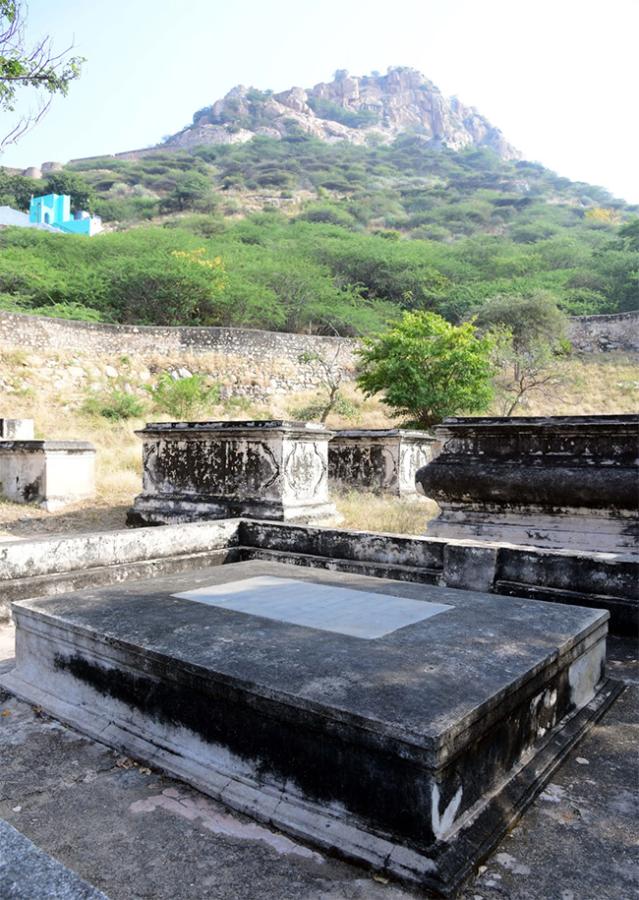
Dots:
{"x": 400, "y": 725}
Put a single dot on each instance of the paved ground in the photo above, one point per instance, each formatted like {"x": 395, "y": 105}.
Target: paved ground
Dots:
{"x": 133, "y": 833}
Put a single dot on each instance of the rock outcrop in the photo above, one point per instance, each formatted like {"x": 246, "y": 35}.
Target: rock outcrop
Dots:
{"x": 349, "y": 108}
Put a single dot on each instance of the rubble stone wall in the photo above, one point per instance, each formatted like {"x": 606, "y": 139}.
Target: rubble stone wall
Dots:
{"x": 259, "y": 363}
{"x": 600, "y": 334}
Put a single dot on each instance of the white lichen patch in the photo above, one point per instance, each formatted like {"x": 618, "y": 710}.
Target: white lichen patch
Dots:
{"x": 584, "y": 675}
{"x": 554, "y": 793}
{"x": 443, "y": 823}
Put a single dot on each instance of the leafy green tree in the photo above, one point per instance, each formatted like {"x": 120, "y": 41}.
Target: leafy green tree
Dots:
{"x": 192, "y": 191}
{"x": 38, "y": 68}
{"x": 178, "y": 287}
{"x": 531, "y": 318}
{"x": 629, "y": 235}
{"x": 16, "y": 190}
{"x": 81, "y": 193}
{"x": 426, "y": 369}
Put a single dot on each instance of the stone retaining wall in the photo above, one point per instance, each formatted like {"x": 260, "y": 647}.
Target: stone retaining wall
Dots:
{"x": 40, "y": 333}
{"x": 258, "y": 363}
{"x": 600, "y": 334}
{"x": 587, "y": 333}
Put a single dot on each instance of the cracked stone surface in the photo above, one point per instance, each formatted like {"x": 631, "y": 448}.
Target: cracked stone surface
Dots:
{"x": 134, "y": 833}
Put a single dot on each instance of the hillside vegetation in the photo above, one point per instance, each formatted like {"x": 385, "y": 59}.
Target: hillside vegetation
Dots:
{"x": 298, "y": 234}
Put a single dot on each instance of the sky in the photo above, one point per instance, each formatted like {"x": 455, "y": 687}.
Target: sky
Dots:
{"x": 558, "y": 77}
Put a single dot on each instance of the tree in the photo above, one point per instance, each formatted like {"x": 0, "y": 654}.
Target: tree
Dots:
{"x": 427, "y": 369}
{"x": 81, "y": 193}
{"x": 331, "y": 375}
{"x": 530, "y": 335}
{"x": 38, "y": 68}
{"x": 192, "y": 191}
{"x": 629, "y": 235}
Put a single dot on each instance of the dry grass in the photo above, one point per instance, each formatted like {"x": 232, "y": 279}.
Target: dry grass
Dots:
{"x": 395, "y": 515}
{"x": 42, "y": 387}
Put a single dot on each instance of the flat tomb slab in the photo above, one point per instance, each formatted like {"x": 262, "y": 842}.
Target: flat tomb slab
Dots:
{"x": 328, "y": 704}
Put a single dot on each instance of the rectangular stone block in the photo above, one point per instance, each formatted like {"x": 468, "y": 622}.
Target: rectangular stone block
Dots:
{"x": 16, "y": 429}
{"x": 412, "y": 750}
{"x": 381, "y": 460}
{"x": 52, "y": 474}
{"x": 205, "y": 470}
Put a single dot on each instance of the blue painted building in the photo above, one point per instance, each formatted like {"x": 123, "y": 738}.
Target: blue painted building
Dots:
{"x": 55, "y": 210}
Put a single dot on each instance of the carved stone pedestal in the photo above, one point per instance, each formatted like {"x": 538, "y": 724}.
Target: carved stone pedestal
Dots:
{"x": 381, "y": 460}
{"x": 562, "y": 481}
{"x": 207, "y": 470}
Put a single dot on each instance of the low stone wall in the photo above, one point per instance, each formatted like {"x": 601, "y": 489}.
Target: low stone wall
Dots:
{"x": 53, "y": 565}
{"x": 600, "y": 334}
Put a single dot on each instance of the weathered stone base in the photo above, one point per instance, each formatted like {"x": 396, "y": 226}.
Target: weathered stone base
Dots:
{"x": 353, "y": 745}
{"x": 599, "y": 533}
{"x": 175, "y": 510}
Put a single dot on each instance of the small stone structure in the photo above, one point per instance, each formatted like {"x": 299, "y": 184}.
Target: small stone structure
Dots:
{"x": 49, "y": 473}
{"x": 270, "y": 469}
{"x": 380, "y": 460}
{"x": 16, "y": 429}
{"x": 561, "y": 481}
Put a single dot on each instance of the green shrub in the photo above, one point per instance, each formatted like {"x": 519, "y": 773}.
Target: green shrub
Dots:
{"x": 115, "y": 405}
{"x": 316, "y": 410}
{"x": 183, "y": 397}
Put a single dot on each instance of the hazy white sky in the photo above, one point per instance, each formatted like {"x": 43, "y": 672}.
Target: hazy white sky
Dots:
{"x": 559, "y": 77}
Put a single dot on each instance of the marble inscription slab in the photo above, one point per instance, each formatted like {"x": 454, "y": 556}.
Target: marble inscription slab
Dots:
{"x": 359, "y": 614}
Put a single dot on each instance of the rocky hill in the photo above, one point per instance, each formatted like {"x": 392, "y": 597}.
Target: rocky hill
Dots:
{"x": 358, "y": 110}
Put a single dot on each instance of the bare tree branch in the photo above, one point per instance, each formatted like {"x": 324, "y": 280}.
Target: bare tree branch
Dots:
{"x": 38, "y": 68}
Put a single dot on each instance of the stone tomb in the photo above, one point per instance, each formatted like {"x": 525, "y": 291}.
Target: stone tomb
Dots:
{"x": 398, "y": 725}
{"x": 559, "y": 481}
{"x": 206, "y": 470}
{"x": 380, "y": 460}
{"x": 16, "y": 430}
{"x": 52, "y": 474}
